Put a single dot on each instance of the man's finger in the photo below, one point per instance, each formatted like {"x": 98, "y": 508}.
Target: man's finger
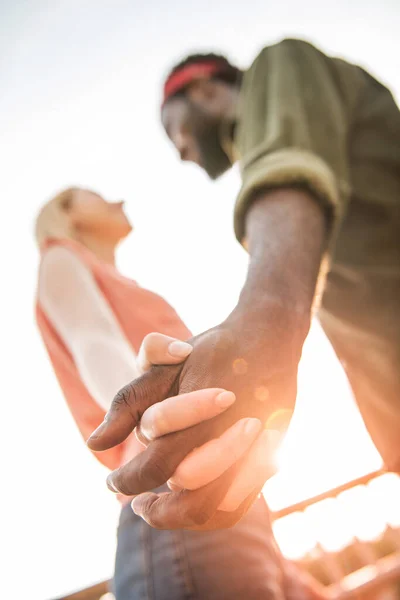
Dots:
{"x": 256, "y": 469}
{"x": 222, "y": 519}
{"x": 158, "y": 463}
{"x": 160, "y": 349}
{"x": 196, "y": 510}
{"x": 185, "y": 410}
{"x": 184, "y": 509}
{"x": 130, "y": 403}
{"x": 153, "y": 467}
{"x": 212, "y": 459}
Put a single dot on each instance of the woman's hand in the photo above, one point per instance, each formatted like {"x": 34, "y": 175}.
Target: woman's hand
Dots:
{"x": 159, "y": 349}
{"x": 211, "y": 460}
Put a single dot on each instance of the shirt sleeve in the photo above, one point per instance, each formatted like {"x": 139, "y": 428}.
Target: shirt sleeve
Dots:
{"x": 84, "y": 320}
{"x": 292, "y": 129}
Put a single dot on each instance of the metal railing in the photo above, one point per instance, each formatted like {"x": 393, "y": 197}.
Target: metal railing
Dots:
{"x": 378, "y": 560}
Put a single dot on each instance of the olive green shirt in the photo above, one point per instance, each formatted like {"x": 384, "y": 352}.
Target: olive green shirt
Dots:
{"x": 309, "y": 120}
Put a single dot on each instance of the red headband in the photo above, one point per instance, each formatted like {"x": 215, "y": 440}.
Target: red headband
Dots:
{"x": 180, "y": 79}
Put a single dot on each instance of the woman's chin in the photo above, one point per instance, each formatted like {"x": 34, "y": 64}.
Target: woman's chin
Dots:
{"x": 127, "y": 230}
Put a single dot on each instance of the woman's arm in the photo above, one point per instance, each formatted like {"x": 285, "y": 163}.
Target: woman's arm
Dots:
{"x": 82, "y": 317}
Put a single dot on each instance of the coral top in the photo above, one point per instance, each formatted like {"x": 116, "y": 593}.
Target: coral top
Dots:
{"x": 138, "y": 312}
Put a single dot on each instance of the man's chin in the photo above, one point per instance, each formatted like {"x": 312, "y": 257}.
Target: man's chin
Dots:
{"x": 215, "y": 173}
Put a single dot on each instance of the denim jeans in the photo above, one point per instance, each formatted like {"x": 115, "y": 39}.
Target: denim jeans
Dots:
{"x": 241, "y": 562}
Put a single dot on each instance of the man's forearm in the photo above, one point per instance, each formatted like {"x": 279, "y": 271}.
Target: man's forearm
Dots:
{"x": 285, "y": 236}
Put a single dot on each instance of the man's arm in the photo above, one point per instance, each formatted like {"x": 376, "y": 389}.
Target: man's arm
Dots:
{"x": 292, "y": 136}
{"x": 286, "y": 235}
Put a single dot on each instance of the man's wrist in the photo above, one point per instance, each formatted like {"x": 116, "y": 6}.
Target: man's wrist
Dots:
{"x": 272, "y": 317}
{"x": 259, "y": 311}
{"x": 286, "y": 232}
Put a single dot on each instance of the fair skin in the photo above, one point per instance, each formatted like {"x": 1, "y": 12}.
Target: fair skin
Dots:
{"x": 99, "y": 225}
{"x": 105, "y": 360}
{"x": 286, "y": 234}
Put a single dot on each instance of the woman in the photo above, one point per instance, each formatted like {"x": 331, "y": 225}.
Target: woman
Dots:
{"x": 93, "y": 321}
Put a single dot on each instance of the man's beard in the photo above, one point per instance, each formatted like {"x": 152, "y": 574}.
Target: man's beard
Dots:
{"x": 207, "y": 132}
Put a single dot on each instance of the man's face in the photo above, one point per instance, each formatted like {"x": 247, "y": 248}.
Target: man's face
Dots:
{"x": 196, "y": 135}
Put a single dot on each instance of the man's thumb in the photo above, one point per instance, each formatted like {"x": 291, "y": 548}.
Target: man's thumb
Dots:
{"x": 129, "y": 405}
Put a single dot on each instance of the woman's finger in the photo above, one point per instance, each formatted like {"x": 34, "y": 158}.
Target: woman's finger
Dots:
{"x": 159, "y": 349}
{"x": 257, "y": 468}
{"x": 211, "y": 460}
{"x": 180, "y": 412}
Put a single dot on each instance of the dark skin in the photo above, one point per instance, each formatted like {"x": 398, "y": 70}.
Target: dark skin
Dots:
{"x": 285, "y": 232}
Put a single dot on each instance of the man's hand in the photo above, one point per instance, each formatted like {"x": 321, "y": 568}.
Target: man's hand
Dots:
{"x": 254, "y": 353}
{"x": 209, "y": 461}
{"x": 206, "y": 463}
{"x": 234, "y": 359}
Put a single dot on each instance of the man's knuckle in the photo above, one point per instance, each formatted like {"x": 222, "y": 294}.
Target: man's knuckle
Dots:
{"x": 122, "y": 482}
{"x": 153, "y": 517}
{"x": 198, "y": 515}
{"x": 156, "y": 469}
{"x": 124, "y": 397}
{"x": 233, "y": 519}
{"x": 148, "y": 507}
{"x": 151, "y": 520}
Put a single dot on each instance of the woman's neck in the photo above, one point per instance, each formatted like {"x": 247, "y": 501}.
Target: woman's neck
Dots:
{"x": 103, "y": 250}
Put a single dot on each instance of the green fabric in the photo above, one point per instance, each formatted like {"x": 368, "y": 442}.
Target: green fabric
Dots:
{"x": 292, "y": 126}
{"x": 311, "y": 120}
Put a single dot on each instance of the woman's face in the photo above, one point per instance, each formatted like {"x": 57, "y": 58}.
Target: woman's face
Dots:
{"x": 90, "y": 213}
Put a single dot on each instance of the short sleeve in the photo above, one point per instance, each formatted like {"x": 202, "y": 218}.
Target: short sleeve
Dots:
{"x": 292, "y": 129}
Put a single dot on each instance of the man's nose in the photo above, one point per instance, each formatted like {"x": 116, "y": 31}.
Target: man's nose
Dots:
{"x": 184, "y": 154}
{"x": 182, "y": 147}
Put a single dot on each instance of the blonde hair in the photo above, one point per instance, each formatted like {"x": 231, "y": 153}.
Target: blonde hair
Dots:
{"x": 53, "y": 220}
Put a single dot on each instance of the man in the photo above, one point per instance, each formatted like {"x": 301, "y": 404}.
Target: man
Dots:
{"x": 318, "y": 141}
